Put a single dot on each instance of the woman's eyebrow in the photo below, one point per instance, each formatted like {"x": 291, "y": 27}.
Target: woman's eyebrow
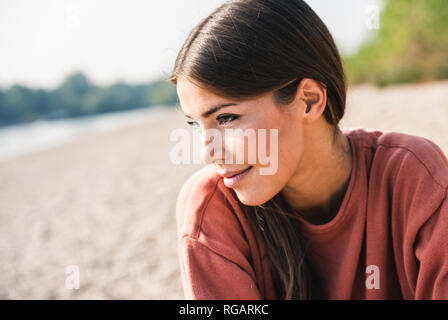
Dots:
{"x": 212, "y": 110}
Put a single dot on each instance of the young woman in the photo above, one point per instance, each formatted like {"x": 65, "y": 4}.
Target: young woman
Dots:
{"x": 347, "y": 215}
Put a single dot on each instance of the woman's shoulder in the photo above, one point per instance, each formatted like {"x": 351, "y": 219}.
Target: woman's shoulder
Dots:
{"x": 417, "y": 154}
{"x": 403, "y": 154}
{"x": 406, "y": 174}
{"x": 206, "y": 210}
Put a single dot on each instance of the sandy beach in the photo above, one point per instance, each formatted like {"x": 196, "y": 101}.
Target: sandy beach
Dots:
{"x": 106, "y": 202}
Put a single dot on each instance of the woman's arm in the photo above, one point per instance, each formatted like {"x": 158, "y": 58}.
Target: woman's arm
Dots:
{"x": 219, "y": 255}
{"x": 431, "y": 250}
{"x": 207, "y": 274}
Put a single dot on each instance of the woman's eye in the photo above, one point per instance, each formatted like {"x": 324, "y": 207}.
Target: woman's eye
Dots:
{"x": 194, "y": 124}
{"x": 224, "y": 119}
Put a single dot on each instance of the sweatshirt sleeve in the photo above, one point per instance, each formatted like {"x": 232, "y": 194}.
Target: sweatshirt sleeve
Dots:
{"x": 431, "y": 250}
{"x": 206, "y": 274}
{"x": 217, "y": 252}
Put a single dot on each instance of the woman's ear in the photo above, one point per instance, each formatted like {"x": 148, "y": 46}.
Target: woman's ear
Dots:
{"x": 313, "y": 98}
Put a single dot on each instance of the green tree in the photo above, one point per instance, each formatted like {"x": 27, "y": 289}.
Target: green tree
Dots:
{"x": 70, "y": 96}
{"x": 18, "y": 104}
{"x": 411, "y": 45}
{"x": 162, "y": 93}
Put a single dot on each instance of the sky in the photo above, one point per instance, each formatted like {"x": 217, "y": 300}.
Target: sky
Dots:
{"x": 43, "y": 41}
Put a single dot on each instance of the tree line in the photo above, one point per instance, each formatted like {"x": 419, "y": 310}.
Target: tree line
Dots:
{"x": 78, "y": 96}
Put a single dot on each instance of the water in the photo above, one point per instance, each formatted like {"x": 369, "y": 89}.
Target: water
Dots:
{"x": 43, "y": 134}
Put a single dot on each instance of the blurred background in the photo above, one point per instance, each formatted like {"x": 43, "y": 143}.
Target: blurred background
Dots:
{"x": 87, "y": 188}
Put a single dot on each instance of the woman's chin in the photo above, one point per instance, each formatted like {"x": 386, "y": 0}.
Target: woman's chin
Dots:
{"x": 251, "y": 198}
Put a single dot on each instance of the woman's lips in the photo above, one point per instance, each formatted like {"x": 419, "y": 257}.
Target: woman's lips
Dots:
{"x": 232, "y": 181}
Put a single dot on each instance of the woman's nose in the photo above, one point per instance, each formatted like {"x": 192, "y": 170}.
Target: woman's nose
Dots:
{"x": 212, "y": 146}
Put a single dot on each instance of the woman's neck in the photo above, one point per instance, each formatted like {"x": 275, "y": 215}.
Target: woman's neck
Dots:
{"x": 318, "y": 188}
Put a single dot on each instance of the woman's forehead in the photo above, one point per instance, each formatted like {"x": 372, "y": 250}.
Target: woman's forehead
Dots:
{"x": 196, "y": 100}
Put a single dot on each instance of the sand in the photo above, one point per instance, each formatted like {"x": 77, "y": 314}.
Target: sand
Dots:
{"x": 105, "y": 203}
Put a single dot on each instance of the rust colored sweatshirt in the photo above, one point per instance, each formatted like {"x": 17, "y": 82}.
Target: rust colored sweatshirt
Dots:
{"x": 389, "y": 239}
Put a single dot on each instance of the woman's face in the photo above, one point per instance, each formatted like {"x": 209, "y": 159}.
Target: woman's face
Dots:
{"x": 262, "y": 180}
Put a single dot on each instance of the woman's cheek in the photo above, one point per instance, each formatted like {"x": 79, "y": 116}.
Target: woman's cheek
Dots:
{"x": 241, "y": 146}
{"x": 253, "y": 147}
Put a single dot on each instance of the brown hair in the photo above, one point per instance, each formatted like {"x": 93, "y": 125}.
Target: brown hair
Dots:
{"x": 246, "y": 48}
